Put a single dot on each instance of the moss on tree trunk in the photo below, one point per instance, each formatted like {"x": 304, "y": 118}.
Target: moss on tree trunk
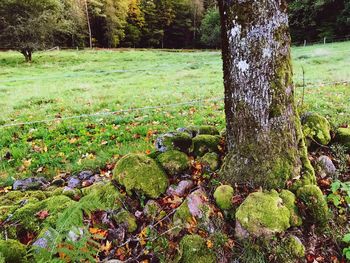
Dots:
{"x": 264, "y": 136}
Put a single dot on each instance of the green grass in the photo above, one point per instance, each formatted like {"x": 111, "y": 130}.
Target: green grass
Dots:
{"x": 67, "y": 83}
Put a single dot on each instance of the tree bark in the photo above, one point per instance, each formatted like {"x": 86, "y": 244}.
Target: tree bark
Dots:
{"x": 264, "y": 138}
{"x": 27, "y": 53}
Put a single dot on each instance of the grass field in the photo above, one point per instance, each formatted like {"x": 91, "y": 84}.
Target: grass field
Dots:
{"x": 60, "y": 84}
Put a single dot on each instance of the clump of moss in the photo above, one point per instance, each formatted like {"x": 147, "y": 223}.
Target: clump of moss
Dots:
{"x": 316, "y": 128}
{"x": 295, "y": 247}
{"x": 26, "y": 215}
{"x": 343, "y": 137}
{"x": 138, "y": 172}
{"x": 289, "y": 200}
{"x": 223, "y": 196}
{"x": 12, "y": 251}
{"x": 211, "y": 161}
{"x": 182, "y": 214}
{"x": 174, "y": 162}
{"x": 181, "y": 141}
{"x": 194, "y": 249}
{"x": 203, "y": 144}
{"x": 125, "y": 217}
{"x": 107, "y": 194}
{"x": 316, "y": 205}
{"x": 15, "y": 197}
{"x": 207, "y": 129}
{"x": 263, "y": 214}
{"x": 152, "y": 209}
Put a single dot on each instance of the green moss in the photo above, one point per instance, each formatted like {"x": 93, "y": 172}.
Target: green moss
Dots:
{"x": 295, "y": 247}
{"x": 125, "y": 217}
{"x": 207, "y": 129}
{"x": 223, "y": 196}
{"x": 12, "y": 251}
{"x": 181, "y": 141}
{"x": 205, "y": 143}
{"x": 174, "y": 162}
{"x": 343, "y": 137}
{"x": 194, "y": 249}
{"x": 26, "y": 215}
{"x": 182, "y": 214}
{"x": 263, "y": 213}
{"x": 152, "y": 209}
{"x": 140, "y": 173}
{"x": 106, "y": 192}
{"x": 315, "y": 203}
{"x": 289, "y": 201}
{"x": 15, "y": 197}
{"x": 317, "y": 128}
{"x": 211, "y": 160}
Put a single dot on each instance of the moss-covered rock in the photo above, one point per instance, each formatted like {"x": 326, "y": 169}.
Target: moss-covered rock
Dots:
{"x": 343, "y": 137}
{"x": 289, "y": 200}
{"x": 138, "y": 172}
{"x": 15, "y": 197}
{"x": 315, "y": 203}
{"x": 203, "y": 144}
{"x": 174, "y": 162}
{"x": 152, "y": 209}
{"x": 193, "y": 248}
{"x": 12, "y": 251}
{"x": 295, "y": 247}
{"x": 126, "y": 218}
{"x": 208, "y": 129}
{"x": 287, "y": 250}
{"x": 316, "y": 128}
{"x": 26, "y": 215}
{"x": 262, "y": 214}
{"x": 223, "y": 196}
{"x": 182, "y": 214}
{"x": 211, "y": 161}
{"x": 181, "y": 141}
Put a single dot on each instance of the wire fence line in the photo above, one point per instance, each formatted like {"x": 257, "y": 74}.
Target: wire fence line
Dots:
{"x": 171, "y": 105}
{"x": 106, "y": 114}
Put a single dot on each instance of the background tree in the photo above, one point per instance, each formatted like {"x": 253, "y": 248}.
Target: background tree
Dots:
{"x": 31, "y": 25}
{"x": 135, "y": 23}
{"x": 211, "y": 28}
{"x": 265, "y": 142}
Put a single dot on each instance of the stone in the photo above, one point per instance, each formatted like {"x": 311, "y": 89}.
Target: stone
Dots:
{"x": 325, "y": 166}
{"x": 289, "y": 200}
{"x": 74, "y": 182}
{"x": 223, "y": 196}
{"x": 316, "y": 128}
{"x": 85, "y": 175}
{"x": 126, "y": 219}
{"x": 262, "y": 214}
{"x": 138, "y": 172}
{"x": 152, "y": 209}
{"x": 181, "y": 141}
{"x": 181, "y": 189}
{"x": 58, "y": 182}
{"x": 203, "y": 144}
{"x": 315, "y": 204}
{"x": 194, "y": 249}
{"x": 211, "y": 161}
{"x": 12, "y": 251}
{"x": 195, "y": 205}
{"x": 34, "y": 183}
{"x": 174, "y": 162}
{"x": 342, "y": 136}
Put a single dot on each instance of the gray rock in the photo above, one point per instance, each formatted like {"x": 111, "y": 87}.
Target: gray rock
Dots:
{"x": 326, "y": 166}
{"x": 74, "y": 182}
{"x": 41, "y": 243}
{"x": 34, "y": 183}
{"x": 85, "y": 175}
{"x": 196, "y": 201}
{"x": 180, "y": 189}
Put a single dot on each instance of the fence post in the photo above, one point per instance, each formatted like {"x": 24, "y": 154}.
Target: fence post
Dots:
{"x": 304, "y": 42}
{"x": 324, "y": 40}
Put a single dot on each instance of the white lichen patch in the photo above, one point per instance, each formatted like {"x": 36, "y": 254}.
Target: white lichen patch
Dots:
{"x": 243, "y": 65}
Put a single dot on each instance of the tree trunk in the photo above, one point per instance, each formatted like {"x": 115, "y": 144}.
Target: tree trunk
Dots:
{"x": 264, "y": 137}
{"x": 88, "y": 23}
{"x": 27, "y": 55}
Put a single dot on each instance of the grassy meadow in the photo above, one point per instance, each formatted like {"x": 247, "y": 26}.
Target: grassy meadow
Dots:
{"x": 61, "y": 84}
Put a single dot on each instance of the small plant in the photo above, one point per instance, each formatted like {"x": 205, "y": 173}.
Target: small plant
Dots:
{"x": 346, "y": 250}
{"x": 340, "y": 193}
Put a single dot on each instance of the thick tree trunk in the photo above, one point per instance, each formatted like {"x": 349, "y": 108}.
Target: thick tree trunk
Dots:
{"x": 265, "y": 143}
